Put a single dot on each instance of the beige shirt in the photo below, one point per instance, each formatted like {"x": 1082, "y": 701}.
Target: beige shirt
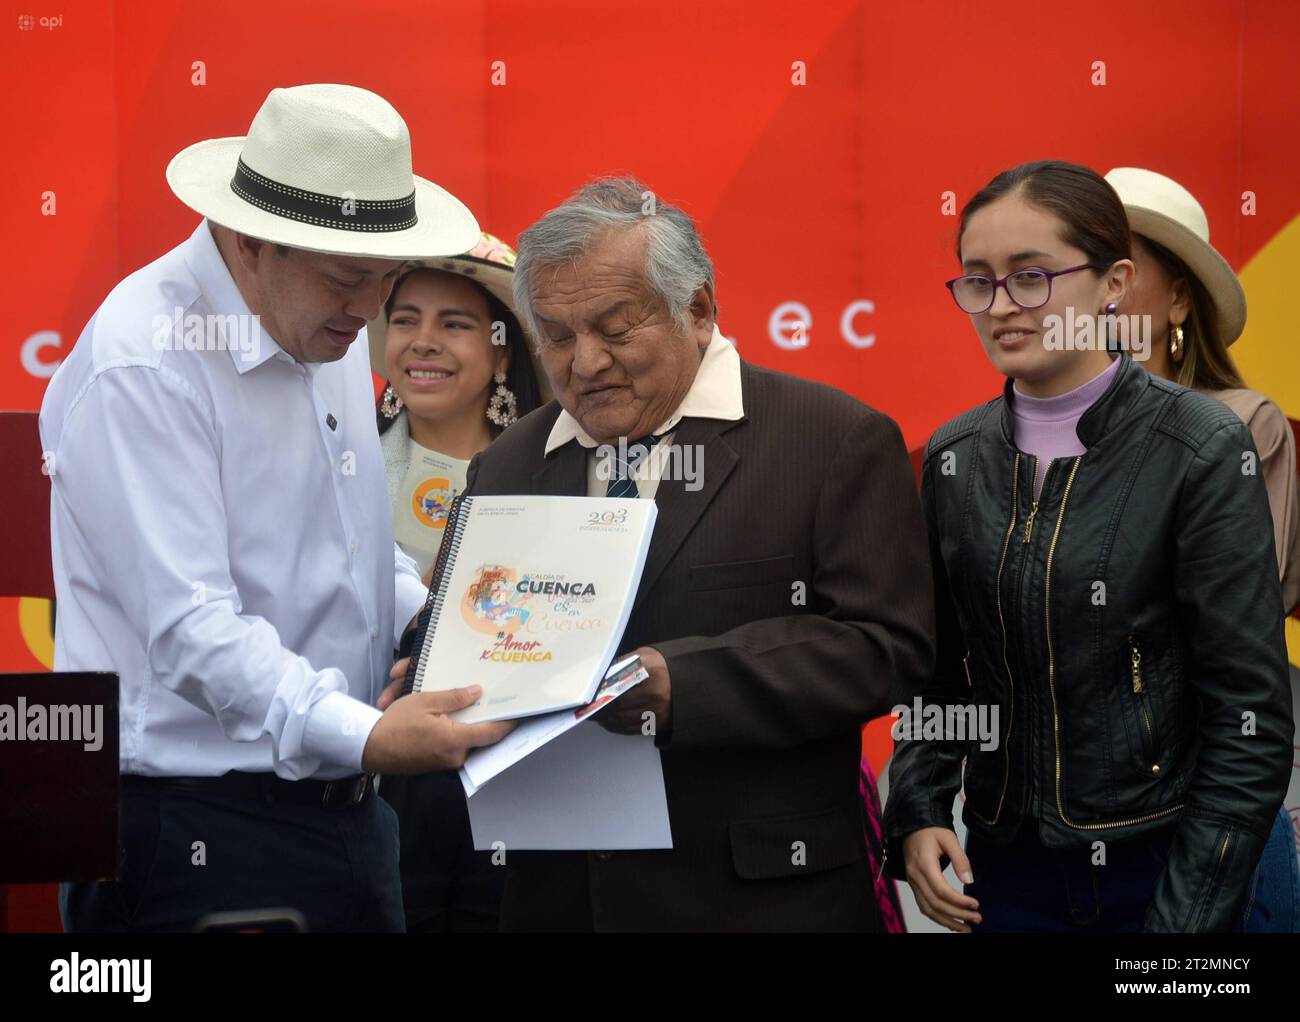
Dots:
{"x": 1276, "y": 444}
{"x": 714, "y": 394}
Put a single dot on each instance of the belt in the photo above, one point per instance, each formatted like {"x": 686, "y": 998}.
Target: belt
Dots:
{"x": 343, "y": 793}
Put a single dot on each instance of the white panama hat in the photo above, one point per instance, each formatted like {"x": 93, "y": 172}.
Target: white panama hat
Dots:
{"x": 1161, "y": 209}
{"x": 325, "y": 168}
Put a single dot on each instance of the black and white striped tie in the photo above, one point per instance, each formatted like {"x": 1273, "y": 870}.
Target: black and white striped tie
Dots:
{"x": 621, "y": 482}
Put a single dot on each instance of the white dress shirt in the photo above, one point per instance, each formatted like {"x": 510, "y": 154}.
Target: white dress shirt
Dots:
{"x": 715, "y": 393}
{"x": 216, "y": 542}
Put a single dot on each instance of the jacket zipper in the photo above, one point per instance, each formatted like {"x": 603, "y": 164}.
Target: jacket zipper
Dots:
{"x": 1051, "y": 681}
{"x": 1033, "y": 508}
{"x": 1218, "y": 868}
{"x": 1011, "y": 715}
{"x": 1139, "y": 690}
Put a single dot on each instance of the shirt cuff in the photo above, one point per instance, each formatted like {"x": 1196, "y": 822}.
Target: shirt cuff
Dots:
{"x": 338, "y": 728}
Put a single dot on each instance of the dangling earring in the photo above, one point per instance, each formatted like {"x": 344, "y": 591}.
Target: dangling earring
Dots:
{"x": 1176, "y": 347}
{"x": 501, "y": 410}
{"x": 391, "y": 404}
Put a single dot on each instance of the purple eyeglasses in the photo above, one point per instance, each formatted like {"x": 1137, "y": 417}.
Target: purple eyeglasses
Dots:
{"x": 1029, "y": 288}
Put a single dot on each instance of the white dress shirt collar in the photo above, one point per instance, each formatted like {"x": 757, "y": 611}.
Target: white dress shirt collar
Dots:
{"x": 205, "y": 261}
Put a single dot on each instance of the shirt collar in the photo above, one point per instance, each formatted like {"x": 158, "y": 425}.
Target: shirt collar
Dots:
{"x": 715, "y": 393}
{"x": 222, "y": 293}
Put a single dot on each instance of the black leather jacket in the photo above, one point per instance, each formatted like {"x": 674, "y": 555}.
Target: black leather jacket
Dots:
{"x": 1128, "y": 626}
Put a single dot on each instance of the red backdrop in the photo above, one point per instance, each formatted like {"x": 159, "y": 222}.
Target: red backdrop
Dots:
{"x": 813, "y": 143}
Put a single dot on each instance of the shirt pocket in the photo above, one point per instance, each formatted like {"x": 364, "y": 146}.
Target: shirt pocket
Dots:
{"x": 741, "y": 574}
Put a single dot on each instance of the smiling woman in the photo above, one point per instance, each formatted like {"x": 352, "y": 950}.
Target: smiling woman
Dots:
{"x": 458, "y": 372}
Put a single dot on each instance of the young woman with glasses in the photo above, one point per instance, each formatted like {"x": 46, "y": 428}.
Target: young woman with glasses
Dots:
{"x": 1100, "y": 603}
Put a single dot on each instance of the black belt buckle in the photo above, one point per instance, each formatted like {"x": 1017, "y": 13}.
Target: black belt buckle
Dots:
{"x": 346, "y": 792}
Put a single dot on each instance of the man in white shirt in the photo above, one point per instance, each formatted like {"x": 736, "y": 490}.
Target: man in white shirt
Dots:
{"x": 222, "y": 537}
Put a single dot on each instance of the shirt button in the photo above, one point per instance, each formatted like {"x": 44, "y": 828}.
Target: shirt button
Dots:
{"x": 352, "y": 548}
{"x": 374, "y": 632}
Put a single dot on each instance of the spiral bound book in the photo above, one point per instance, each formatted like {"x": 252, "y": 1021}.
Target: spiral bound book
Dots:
{"x": 529, "y": 598}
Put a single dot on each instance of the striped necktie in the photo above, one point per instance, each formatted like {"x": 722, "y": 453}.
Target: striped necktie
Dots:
{"x": 621, "y": 483}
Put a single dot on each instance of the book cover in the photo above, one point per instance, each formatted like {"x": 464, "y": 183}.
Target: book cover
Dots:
{"x": 529, "y": 599}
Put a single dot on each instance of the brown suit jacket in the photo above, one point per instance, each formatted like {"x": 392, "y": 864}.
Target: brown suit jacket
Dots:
{"x": 791, "y": 598}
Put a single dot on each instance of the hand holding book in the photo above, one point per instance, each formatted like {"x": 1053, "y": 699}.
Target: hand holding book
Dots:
{"x": 646, "y": 709}
{"x": 415, "y": 735}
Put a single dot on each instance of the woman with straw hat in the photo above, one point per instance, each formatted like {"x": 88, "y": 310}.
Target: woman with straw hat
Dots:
{"x": 457, "y": 371}
{"x": 1197, "y": 310}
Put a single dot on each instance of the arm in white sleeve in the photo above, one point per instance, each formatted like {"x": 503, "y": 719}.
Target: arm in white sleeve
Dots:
{"x": 411, "y": 592}
{"x": 139, "y": 475}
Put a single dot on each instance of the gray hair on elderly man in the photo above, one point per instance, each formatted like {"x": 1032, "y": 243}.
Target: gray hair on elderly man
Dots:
{"x": 676, "y": 265}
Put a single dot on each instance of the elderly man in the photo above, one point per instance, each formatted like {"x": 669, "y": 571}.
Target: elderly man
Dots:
{"x": 222, "y": 536}
{"x": 786, "y": 596}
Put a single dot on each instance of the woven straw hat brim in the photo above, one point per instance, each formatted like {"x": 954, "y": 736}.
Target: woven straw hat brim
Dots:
{"x": 1203, "y": 260}
{"x": 200, "y": 177}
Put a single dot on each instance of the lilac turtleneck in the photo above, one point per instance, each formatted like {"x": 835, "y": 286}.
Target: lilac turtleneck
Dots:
{"x": 1045, "y": 425}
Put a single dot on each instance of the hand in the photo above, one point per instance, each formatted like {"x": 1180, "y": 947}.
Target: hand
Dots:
{"x": 654, "y": 695}
{"x": 934, "y": 895}
{"x": 415, "y": 735}
{"x": 397, "y": 678}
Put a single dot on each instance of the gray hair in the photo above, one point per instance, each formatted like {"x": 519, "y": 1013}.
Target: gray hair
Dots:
{"x": 676, "y": 264}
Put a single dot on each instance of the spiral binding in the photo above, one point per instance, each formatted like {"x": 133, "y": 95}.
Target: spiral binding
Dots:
{"x": 452, "y": 533}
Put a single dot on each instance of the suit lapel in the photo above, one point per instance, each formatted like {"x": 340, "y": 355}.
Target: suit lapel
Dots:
{"x": 564, "y": 473}
{"x": 679, "y": 508}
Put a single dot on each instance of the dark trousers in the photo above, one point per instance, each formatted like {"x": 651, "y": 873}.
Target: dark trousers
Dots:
{"x": 1026, "y": 887}
{"x": 447, "y": 887}
{"x": 185, "y": 855}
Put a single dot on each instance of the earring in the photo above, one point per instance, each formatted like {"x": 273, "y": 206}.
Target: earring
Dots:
{"x": 1176, "y": 347}
{"x": 501, "y": 409}
{"x": 1110, "y": 310}
{"x": 390, "y": 404}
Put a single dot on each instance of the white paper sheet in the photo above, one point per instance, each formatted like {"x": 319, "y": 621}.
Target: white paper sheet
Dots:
{"x": 586, "y": 790}
{"x": 481, "y": 765}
